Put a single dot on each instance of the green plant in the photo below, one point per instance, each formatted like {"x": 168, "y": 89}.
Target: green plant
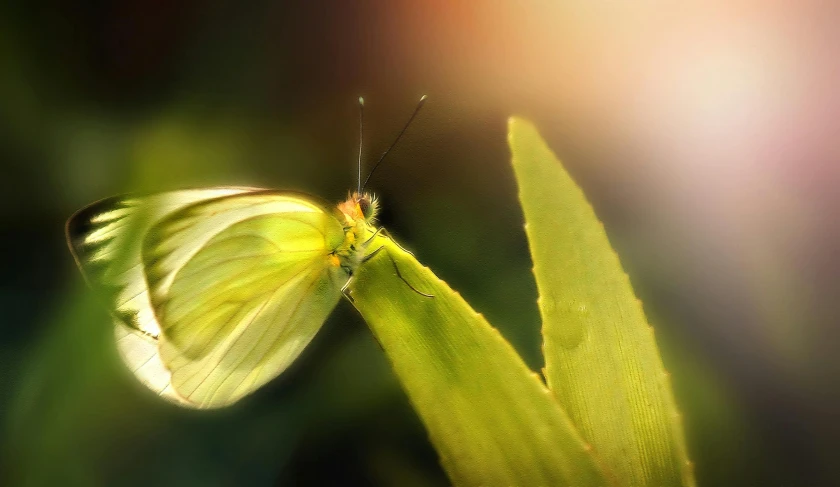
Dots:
{"x": 605, "y": 414}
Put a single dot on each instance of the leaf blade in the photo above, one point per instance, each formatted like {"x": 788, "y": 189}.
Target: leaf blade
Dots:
{"x": 601, "y": 358}
{"x": 490, "y": 418}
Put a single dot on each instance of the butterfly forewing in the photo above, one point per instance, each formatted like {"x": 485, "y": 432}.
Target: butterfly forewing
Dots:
{"x": 140, "y": 354}
{"x": 105, "y": 239}
{"x": 240, "y": 285}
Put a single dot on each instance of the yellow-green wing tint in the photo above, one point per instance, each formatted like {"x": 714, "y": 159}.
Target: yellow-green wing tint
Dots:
{"x": 240, "y": 286}
{"x": 105, "y": 239}
{"x": 601, "y": 359}
{"x": 175, "y": 240}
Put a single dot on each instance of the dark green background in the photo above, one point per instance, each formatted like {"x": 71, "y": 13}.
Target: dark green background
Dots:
{"x": 100, "y": 98}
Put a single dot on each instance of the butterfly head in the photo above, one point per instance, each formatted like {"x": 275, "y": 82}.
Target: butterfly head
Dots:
{"x": 360, "y": 207}
{"x": 369, "y": 206}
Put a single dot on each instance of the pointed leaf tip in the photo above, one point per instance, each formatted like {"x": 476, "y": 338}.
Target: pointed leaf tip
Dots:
{"x": 601, "y": 360}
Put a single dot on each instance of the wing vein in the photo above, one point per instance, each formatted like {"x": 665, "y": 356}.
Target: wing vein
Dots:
{"x": 262, "y": 307}
{"x": 191, "y": 297}
{"x": 259, "y": 369}
{"x": 262, "y": 335}
{"x": 227, "y": 322}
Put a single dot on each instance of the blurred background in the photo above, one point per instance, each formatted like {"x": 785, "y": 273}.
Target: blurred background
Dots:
{"x": 704, "y": 133}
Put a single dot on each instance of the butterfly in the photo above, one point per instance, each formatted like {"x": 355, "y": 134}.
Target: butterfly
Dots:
{"x": 216, "y": 291}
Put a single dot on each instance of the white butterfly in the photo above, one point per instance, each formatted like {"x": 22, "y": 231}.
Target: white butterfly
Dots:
{"x": 216, "y": 291}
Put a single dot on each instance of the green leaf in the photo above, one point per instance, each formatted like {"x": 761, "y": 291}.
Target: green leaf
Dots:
{"x": 491, "y": 419}
{"x": 601, "y": 359}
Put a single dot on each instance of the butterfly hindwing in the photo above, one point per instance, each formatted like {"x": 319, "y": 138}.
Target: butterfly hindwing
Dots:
{"x": 240, "y": 285}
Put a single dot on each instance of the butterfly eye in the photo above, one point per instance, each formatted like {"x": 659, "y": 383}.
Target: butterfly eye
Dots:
{"x": 365, "y": 206}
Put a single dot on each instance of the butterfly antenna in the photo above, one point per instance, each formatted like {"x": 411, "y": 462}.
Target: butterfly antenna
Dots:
{"x": 419, "y": 106}
{"x": 361, "y": 134}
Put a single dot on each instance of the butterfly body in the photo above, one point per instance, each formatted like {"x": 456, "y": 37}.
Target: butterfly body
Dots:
{"x": 358, "y": 213}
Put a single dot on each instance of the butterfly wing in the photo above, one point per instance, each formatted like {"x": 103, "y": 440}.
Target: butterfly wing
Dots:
{"x": 105, "y": 240}
{"x": 240, "y": 285}
{"x": 140, "y": 354}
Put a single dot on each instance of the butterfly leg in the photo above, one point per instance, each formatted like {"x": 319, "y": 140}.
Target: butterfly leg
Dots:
{"x": 372, "y": 254}
{"x": 377, "y": 232}
{"x": 346, "y": 292}
{"x": 396, "y": 269}
{"x": 387, "y": 234}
